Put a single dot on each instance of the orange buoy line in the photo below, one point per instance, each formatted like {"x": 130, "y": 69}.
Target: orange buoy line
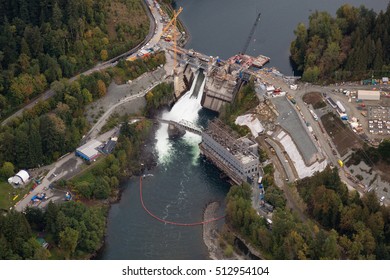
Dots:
{"x": 170, "y": 222}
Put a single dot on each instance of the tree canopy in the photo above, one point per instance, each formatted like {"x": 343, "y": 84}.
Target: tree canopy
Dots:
{"x": 352, "y": 45}
{"x": 342, "y": 225}
{"x": 42, "y": 41}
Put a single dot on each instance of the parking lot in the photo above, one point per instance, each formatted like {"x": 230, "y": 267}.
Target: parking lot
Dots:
{"x": 379, "y": 120}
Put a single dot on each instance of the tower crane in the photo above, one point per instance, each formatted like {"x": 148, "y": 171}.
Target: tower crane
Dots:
{"x": 251, "y": 34}
{"x": 173, "y": 23}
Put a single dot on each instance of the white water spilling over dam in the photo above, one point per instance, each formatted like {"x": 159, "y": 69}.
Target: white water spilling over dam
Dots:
{"x": 186, "y": 108}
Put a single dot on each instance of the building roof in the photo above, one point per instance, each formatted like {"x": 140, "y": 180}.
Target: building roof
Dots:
{"x": 230, "y": 140}
{"x": 109, "y": 147}
{"x": 89, "y": 148}
{"x": 369, "y": 92}
{"x": 23, "y": 174}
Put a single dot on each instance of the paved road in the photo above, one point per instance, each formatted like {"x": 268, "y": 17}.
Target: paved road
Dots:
{"x": 283, "y": 159}
{"x": 151, "y": 39}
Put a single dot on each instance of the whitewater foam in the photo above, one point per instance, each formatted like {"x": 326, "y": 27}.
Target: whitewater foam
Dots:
{"x": 186, "y": 108}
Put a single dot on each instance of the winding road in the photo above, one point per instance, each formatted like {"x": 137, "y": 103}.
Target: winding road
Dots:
{"x": 155, "y": 30}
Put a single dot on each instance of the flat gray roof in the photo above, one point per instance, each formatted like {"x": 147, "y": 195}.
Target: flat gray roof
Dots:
{"x": 289, "y": 120}
{"x": 89, "y": 148}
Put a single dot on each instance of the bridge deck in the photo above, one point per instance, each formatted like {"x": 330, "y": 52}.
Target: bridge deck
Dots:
{"x": 184, "y": 124}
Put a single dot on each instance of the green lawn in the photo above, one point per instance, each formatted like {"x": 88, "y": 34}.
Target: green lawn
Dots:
{"x": 86, "y": 175}
{"x": 8, "y": 193}
{"x": 5, "y": 195}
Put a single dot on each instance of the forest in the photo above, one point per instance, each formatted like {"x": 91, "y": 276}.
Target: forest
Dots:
{"x": 73, "y": 231}
{"x": 351, "y": 46}
{"x": 42, "y": 41}
{"x": 341, "y": 225}
{"x": 161, "y": 95}
{"x": 55, "y": 127}
{"x": 52, "y": 127}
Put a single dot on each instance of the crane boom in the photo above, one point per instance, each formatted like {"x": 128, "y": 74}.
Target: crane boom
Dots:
{"x": 173, "y": 23}
{"x": 251, "y": 34}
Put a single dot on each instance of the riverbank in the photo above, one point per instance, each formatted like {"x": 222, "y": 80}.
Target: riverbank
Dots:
{"x": 210, "y": 234}
{"x": 146, "y": 158}
{"x": 148, "y": 163}
{"x": 212, "y": 238}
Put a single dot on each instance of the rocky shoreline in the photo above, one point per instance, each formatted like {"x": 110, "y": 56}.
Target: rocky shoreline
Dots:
{"x": 210, "y": 234}
{"x": 212, "y": 240}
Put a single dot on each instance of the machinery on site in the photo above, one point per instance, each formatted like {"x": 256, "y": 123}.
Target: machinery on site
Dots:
{"x": 245, "y": 48}
{"x": 39, "y": 197}
{"x": 68, "y": 196}
{"x": 172, "y": 25}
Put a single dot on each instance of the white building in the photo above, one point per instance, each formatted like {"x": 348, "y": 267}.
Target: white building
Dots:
{"x": 237, "y": 157}
{"x": 369, "y": 95}
{"x": 89, "y": 151}
{"x": 20, "y": 178}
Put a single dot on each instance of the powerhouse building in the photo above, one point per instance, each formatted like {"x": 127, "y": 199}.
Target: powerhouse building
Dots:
{"x": 236, "y": 157}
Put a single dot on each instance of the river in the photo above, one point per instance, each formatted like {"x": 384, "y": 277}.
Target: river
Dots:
{"x": 176, "y": 190}
{"x": 182, "y": 183}
{"x": 221, "y": 27}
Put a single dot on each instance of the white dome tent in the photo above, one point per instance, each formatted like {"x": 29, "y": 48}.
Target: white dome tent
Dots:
{"x": 20, "y": 178}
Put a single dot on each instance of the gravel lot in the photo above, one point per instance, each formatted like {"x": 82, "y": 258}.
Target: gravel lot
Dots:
{"x": 117, "y": 92}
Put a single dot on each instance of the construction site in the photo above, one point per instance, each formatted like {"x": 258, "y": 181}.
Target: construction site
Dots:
{"x": 223, "y": 78}
{"x": 290, "y": 139}
{"x": 221, "y": 87}
{"x": 236, "y": 156}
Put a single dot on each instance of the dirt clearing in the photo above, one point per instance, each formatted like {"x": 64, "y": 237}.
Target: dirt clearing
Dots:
{"x": 315, "y": 99}
{"x": 343, "y": 138}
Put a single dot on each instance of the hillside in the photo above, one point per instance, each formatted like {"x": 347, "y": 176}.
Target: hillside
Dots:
{"x": 353, "y": 45}
{"x": 42, "y": 41}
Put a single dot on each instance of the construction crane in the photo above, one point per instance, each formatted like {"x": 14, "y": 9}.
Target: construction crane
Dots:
{"x": 251, "y": 34}
{"x": 173, "y": 23}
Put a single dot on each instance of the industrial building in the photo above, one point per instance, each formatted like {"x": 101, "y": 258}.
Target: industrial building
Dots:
{"x": 236, "y": 157}
{"x": 369, "y": 95}
{"x": 89, "y": 151}
{"x": 20, "y": 178}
